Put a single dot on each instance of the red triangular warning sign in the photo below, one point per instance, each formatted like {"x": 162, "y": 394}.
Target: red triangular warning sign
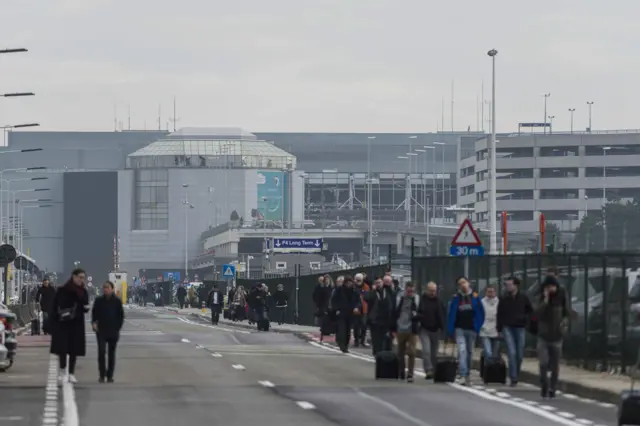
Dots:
{"x": 466, "y": 235}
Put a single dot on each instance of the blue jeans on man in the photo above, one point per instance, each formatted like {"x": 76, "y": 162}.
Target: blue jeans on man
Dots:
{"x": 490, "y": 346}
{"x": 465, "y": 339}
{"x": 514, "y": 338}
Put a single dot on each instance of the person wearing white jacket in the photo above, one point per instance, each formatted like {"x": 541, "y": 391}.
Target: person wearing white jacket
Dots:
{"x": 489, "y": 331}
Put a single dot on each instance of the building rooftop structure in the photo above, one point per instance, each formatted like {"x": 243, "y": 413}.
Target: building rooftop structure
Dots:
{"x": 219, "y": 148}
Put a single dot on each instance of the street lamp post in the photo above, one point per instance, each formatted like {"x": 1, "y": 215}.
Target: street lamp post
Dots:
{"x": 16, "y": 94}
{"x": 370, "y": 139}
{"x": 571, "y": 111}
{"x": 18, "y": 50}
{"x": 546, "y": 97}
{"x": 590, "y": 104}
{"x": 14, "y": 216}
{"x": 551, "y": 117}
{"x": 9, "y": 182}
{"x": 187, "y": 207}
{"x": 605, "y": 149}
{"x": 493, "y": 243}
{"x": 442, "y": 145}
{"x": 20, "y": 240}
{"x": 22, "y": 169}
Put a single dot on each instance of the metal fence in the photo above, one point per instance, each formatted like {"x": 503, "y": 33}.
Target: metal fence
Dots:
{"x": 604, "y": 290}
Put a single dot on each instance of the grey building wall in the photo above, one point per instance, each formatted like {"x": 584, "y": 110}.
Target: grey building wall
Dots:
{"x": 62, "y": 151}
{"x": 90, "y": 222}
{"x": 560, "y": 175}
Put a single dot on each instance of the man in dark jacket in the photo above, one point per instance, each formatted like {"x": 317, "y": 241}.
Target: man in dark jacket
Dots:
{"x": 215, "y": 301}
{"x": 552, "y": 312}
{"x": 381, "y": 306}
{"x": 107, "y": 319}
{"x": 514, "y": 313}
{"x": 181, "y": 295}
{"x": 281, "y": 300}
{"x": 431, "y": 315}
{"x": 44, "y": 297}
{"x": 345, "y": 303}
{"x": 406, "y": 329}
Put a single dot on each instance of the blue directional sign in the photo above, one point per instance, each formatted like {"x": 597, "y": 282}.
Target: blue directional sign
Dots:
{"x": 297, "y": 245}
{"x": 466, "y": 251}
{"x": 228, "y": 270}
{"x": 171, "y": 276}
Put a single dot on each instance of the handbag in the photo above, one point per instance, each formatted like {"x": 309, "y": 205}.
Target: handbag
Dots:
{"x": 67, "y": 314}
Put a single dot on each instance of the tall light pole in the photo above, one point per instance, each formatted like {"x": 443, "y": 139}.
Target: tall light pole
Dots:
{"x": 493, "y": 243}
{"x": 187, "y": 207}
{"x": 442, "y": 145}
{"x": 551, "y": 117}
{"x": 546, "y": 97}
{"x": 9, "y": 182}
{"x": 10, "y": 127}
{"x": 370, "y": 139}
{"x": 2, "y": 172}
{"x": 11, "y": 210}
{"x": 590, "y": 104}
{"x": 571, "y": 111}
{"x": 20, "y": 242}
{"x": 605, "y": 149}
{"x": 18, "y": 50}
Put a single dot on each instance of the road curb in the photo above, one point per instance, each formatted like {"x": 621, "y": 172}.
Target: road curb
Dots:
{"x": 565, "y": 386}
{"x": 239, "y": 325}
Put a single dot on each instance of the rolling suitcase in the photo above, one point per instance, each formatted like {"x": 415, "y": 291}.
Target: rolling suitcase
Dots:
{"x": 263, "y": 325}
{"x": 387, "y": 365}
{"x": 35, "y": 326}
{"x": 493, "y": 370}
{"x": 629, "y": 407}
{"x": 446, "y": 367}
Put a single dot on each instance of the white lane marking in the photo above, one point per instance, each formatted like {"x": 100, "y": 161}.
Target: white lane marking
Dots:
{"x": 199, "y": 347}
{"x": 216, "y": 355}
{"x": 606, "y": 405}
{"x": 50, "y": 409}
{"x": 70, "y": 406}
{"x": 395, "y": 410}
{"x": 566, "y": 414}
{"x": 503, "y": 394}
{"x": 584, "y": 422}
{"x": 215, "y": 327}
{"x": 570, "y": 396}
{"x": 235, "y": 339}
{"x": 534, "y": 410}
{"x": 185, "y": 340}
{"x": 548, "y": 407}
{"x": 11, "y": 419}
{"x": 267, "y": 384}
{"x": 238, "y": 366}
{"x": 305, "y": 405}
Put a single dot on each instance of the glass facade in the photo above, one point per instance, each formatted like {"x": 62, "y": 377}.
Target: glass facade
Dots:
{"x": 151, "y": 199}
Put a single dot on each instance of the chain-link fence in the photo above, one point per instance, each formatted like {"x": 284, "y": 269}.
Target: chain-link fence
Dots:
{"x": 604, "y": 292}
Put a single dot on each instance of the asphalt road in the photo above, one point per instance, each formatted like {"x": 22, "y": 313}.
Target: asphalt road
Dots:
{"x": 174, "y": 369}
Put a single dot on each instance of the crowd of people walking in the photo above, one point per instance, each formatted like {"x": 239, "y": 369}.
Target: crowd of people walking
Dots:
{"x": 397, "y": 318}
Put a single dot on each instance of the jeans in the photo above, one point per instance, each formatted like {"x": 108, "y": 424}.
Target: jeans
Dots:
{"x": 63, "y": 363}
{"x": 430, "y": 342}
{"x": 549, "y": 354}
{"x": 107, "y": 345}
{"x": 465, "y": 339}
{"x": 514, "y": 339}
{"x": 490, "y": 346}
{"x": 359, "y": 330}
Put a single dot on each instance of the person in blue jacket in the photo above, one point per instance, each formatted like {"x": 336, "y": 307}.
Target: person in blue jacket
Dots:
{"x": 464, "y": 320}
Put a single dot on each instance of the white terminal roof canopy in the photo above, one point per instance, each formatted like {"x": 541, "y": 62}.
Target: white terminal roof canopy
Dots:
{"x": 212, "y": 147}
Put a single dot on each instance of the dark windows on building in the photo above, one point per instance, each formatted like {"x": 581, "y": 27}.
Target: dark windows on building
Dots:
{"x": 558, "y": 194}
{"x": 559, "y": 151}
{"x": 151, "y": 199}
{"x": 515, "y": 194}
{"x": 559, "y": 172}
{"x": 519, "y": 152}
{"x": 514, "y": 174}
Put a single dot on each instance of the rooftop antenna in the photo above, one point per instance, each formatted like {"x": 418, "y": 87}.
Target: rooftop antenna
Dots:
{"x": 442, "y": 112}
{"x": 482, "y": 105}
{"x": 452, "y": 102}
{"x": 159, "y": 117}
{"x": 175, "y": 118}
{"x": 115, "y": 117}
{"x": 129, "y": 116}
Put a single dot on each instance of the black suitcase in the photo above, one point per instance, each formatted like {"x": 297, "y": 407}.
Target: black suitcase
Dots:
{"x": 35, "y": 327}
{"x": 327, "y": 326}
{"x": 629, "y": 407}
{"x": 445, "y": 370}
{"x": 387, "y": 365}
{"x": 263, "y": 325}
{"x": 494, "y": 370}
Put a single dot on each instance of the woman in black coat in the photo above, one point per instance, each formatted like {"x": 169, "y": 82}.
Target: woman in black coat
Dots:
{"x": 70, "y": 304}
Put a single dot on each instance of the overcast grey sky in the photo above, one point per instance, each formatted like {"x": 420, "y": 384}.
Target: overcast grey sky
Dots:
{"x": 318, "y": 65}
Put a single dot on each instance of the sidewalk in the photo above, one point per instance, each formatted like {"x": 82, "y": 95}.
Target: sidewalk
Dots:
{"x": 573, "y": 380}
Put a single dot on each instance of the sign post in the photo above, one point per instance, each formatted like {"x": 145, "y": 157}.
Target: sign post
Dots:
{"x": 229, "y": 273}
{"x": 466, "y": 243}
